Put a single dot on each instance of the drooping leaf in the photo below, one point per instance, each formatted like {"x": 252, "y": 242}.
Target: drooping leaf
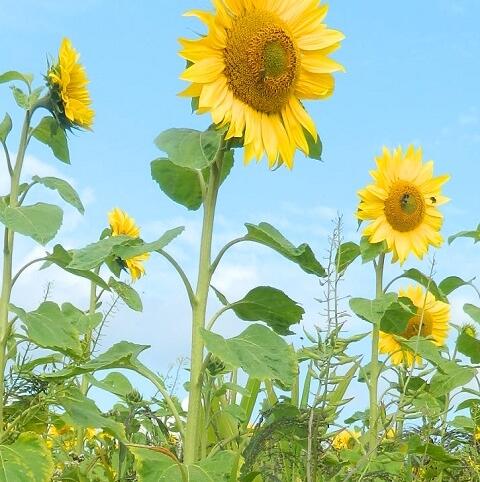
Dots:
{"x": 64, "y": 189}
{"x": 450, "y": 284}
{"x": 137, "y": 248}
{"x": 372, "y": 310}
{"x": 259, "y": 351}
{"x": 153, "y": 465}
{"x": 180, "y": 184}
{"x": 469, "y": 346}
{"x": 443, "y": 383}
{"x": 13, "y": 75}
{"x": 40, "y": 221}
{"x": 347, "y": 253}
{"x": 83, "y": 323}
{"x": 50, "y": 133}
{"x": 370, "y": 251}
{"x": 21, "y": 97}
{"x": 95, "y": 254}
{"x": 190, "y": 148}
{"x": 5, "y": 128}
{"x": 472, "y": 311}
{"x": 474, "y": 234}
{"x": 127, "y": 294}
{"x": 84, "y": 412}
{"x": 302, "y": 255}
{"x": 426, "y": 282}
{"x": 397, "y": 315}
{"x": 48, "y": 327}
{"x": 271, "y": 306}
{"x": 62, "y": 258}
{"x": 114, "y": 382}
{"x": 26, "y": 460}
{"x": 121, "y": 355}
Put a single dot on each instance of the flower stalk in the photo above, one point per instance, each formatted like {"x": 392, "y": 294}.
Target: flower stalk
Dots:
{"x": 199, "y": 309}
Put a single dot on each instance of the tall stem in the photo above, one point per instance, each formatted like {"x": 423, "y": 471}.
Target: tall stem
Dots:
{"x": 8, "y": 261}
{"x": 374, "y": 366}
{"x": 199, "y": 310}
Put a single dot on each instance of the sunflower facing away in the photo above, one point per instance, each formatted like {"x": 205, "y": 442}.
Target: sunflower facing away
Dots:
{"x": 433, "y": 324}
{"x": 345, "y": 439}
{"x": 122, "y": 224}
{"x": 258, "y": 61}
{"x": 68, "y": 82}
{"x": 402, "y": 203}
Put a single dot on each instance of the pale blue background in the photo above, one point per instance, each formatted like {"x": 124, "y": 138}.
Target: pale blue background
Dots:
{"x": 412, "y": 76}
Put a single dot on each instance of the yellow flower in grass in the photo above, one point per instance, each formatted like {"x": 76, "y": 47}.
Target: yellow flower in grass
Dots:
{"x": 402, "y": 203}
{"x": 122, "y": 224}
{"x": 259, "y": 60}
{"x": 68, "y": 82}
{"x": 477, "y": 434}
{"x": 431, "y": 321}
{"x": 345, "y": 439}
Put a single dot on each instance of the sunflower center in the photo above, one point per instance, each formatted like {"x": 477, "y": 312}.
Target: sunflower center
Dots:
{"x": 418, "y": 326}
{"x": 260, "y": 61}
{"x": 404, "y": 207}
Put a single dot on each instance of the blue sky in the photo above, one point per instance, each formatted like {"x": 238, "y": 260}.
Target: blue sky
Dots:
{"x": 412, "y": 77}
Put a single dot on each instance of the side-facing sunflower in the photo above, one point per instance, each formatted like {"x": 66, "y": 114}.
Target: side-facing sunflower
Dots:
{"x": 430, "y": 321}
{"x": 258, "y": 61}
{"x": 345, "y": 439}
{"x": 122, "y": 224}
{"x": 402, "y": 203}
{"x": 67, "y": 82}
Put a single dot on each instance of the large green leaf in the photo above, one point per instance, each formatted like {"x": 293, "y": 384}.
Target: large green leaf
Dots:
{"x": 397, "y": 315}
{"x": 472, "y": 311}
{"x": 436, "y": 452}
{"x": 474, "y": 234}
{"x": 62, "y": 258}
{"x": 26, "y": 460}
{"x": 121, "y": 355}
{"x": 127, "y": 294}
{"x": 469, "y": 346}
{"x": 456, "y": 376}
{"x": 180, "y": 184}
{"x": 66, "y": 192}
{"x": 83, "y": 412}
{"x": 83, "y": 323}
{"x": 154, "y": 466}
{"x": 370, "y": 251}
{"x": 5, "y": 127}
{"x": 450, "y": 284}
{"x": 48, "y": 327}
{"x": 347, "y": 253}
{"x": 40, "y": 221}
{"x": 12, "y": 75}
{"x": 270, "y": 305}
{"x": 50, "y": 133}
{"x": 95, "y": 254}
{"x": 259, "y": 351}
{"x": 114, "y": 382}
{"x": 372, "y": 310}
{"x": 426, "y": 282}
{"x": 302, "y": 255}
{"x": 138, "y": 247}
{"x": 190, "y": 148}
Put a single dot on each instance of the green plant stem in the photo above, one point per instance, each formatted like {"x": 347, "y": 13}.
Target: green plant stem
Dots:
{"x": 8, "y": 261}
{"x": 374, "y": 365}
{"x": 199, "y": 310}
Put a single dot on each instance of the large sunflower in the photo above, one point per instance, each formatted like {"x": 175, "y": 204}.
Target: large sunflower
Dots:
{"x": 259, "y": 59}
{"x": 68, "y": 82}
{"x": 402, "y": 203}
{"x": 122, "y": 224}
{"x": 433, "y": 324}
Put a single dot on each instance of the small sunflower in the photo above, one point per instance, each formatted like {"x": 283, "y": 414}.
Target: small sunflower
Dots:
{"x": 345, "y": 439}
{"x": 402, "y": 203}
{"x": 67, "y": 81}
{"x": 122, "y": 224}
{"x": 432, "y": 324}
{"x": 259, "y": 60}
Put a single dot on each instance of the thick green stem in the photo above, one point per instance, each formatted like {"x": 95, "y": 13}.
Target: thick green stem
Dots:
{"x": 199, "y": 311}
{"x": 374, "y": 365}
{"x": 7, "y": 263}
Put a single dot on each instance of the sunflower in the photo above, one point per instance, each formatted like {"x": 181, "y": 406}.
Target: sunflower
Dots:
{"x": 259, "y": 60}
{"x": 67, "y": 81}
{"x": 431, "y": 320}
{"x": 122, "y": 224}
{"x": 345, "y": 439}
{"x": 402, "y": 203}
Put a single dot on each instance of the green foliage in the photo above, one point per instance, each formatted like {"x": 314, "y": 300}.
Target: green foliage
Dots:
{"x": 49, "y": 132}
{"x": 302, "y": 255}
{"x": 472, "y": 311}
{"x": 5, "y": 128}
{"x": 259, "y": 351}
{"x": 474, "y": 234}
{"x": 127, "y": 293}
{"x": 64, "y": 189}
{"x": 469, "y": 346}
{"x": 40, "y": 221}
{"x": 270, "y": 305}
{"x": 13, "y": 75}
{"x": 347, "y": 253}
{"x": 372, "y": 310}
{"x": 450, "y": 284}
{"x": 315, "y": 147}
{"x": 426, "y": 282}
{"x": 26, "y": 460}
